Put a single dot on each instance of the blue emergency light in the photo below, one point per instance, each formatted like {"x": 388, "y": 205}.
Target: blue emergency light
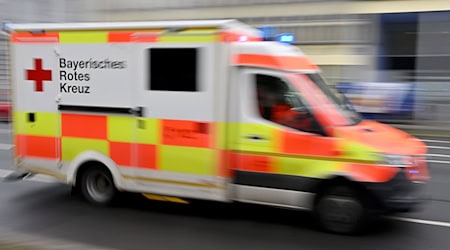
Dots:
{"x": 268, "y": 32}
{"x": 285, "y": 38}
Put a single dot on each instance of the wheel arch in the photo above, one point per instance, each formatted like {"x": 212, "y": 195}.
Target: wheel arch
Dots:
{"x": 338, "y": 179}
{"x": 89, "y": 158}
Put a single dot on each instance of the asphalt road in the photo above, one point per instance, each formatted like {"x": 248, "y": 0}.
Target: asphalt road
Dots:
{"x": 42, "y": 207}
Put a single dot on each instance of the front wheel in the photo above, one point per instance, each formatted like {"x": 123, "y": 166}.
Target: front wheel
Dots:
{"x": 339, "y": 209}
{"x": 97, "y": 185}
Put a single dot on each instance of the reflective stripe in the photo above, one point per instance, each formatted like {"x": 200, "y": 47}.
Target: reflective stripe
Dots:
{"x": 121, "y": 128}
{"x": 370, "y": 173}
{"x": 72, "y": 147}
{"x": 36, "y": 146}
{"x": 121, "y": 153}
{"x": 255, "y": 137}
{"x": 277, "y": 62}
{"x": 306, "y": 167}
{"x": 129, "y": 154}
{"x": 84, "y": 126}
{"x": 191, "y": 35}
{"x": 220, "y": 135}
{"x": 27, "y": 37}
{"x": 83, "y": 36}
{"x": 131, "y": 129}
{"x": 186, "y": 133}
{"x": 165, "y": 181}
{"x": 187, "y": 160}
{"x": 133, "y": 36}
{"x": 308, "y": 144}
{"x": 188, "y": 38}
{"x": 149, "y": 131}
{"x": 358, "y": 151}
{"x": 45, "y": 123}
{"x": 225, "y": 164}
{"x": 232, "y": 36}
{"x": 248, "y": 162}
{"x": 312, "y": 157}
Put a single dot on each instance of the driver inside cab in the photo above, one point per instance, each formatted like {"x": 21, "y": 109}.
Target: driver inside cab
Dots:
{"x": 280, "y": 105}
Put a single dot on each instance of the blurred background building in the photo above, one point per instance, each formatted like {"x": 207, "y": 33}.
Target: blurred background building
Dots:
{"x": 401, "y": 41}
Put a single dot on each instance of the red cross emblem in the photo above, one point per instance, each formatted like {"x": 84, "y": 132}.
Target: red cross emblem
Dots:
{"x": 39, "y": 75}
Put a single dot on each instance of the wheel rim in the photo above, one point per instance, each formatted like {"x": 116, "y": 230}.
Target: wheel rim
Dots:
{"x": 340, "y": 213}
{"x": 99, "y": 186}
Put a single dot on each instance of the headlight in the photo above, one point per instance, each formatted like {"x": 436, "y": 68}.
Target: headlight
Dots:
{"x": 394, "y": 160}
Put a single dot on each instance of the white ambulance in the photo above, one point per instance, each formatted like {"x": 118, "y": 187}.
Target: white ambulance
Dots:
{"x": 202, "y": 110}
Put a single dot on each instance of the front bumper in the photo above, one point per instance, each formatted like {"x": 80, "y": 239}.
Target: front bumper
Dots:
{"x": 399, "y": 194}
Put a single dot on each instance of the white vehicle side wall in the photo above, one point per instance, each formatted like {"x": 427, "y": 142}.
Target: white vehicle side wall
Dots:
{"x": 24, "y": 97}
{"x": 174, "y": 104}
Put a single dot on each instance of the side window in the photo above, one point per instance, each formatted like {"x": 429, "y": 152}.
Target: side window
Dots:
{"x": 173, "y": 69}
{"x": 279, "y": 103}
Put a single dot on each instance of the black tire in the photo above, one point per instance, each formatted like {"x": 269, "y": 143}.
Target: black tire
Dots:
{"x": 97, "y": 185}
{"x": 341, "y": 209}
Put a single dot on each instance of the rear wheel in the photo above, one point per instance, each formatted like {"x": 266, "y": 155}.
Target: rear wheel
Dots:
{"x": 340, "y": 209}
{"x": 97, "y": 185}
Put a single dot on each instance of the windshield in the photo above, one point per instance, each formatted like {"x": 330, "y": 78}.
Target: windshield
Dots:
{"x": 330, "y": 105}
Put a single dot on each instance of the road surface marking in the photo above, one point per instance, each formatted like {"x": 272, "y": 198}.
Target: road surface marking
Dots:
{"x": 5, "y": 146}
{"x": 438, "y": 155}
{"x": 437, "y": 141}
{"x": 419, "y": 221}
{"x": 443, "y": 162}
{"x": 438, "y": 147}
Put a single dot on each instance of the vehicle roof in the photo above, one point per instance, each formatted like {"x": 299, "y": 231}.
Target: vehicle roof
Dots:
{"x": 220, "y": 24}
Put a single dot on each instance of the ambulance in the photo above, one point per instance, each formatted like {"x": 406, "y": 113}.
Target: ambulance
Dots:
{"x": 201, "y": 109}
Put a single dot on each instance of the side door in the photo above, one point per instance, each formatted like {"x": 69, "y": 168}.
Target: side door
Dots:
{"x": 280, "y": 150}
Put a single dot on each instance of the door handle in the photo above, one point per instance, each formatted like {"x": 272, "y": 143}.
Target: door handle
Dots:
{"x": 256, "y": 137}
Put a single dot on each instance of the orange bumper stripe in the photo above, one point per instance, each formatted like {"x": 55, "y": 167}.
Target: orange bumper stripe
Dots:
{"x": 37, "y": 146}
{"x": 84, "y": 126}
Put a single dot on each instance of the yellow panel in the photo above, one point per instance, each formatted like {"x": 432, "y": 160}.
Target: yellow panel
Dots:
{"x": 187, "y": 160}
{"x": 121, "y": 128}
{"x": 242, "y": 133}
{"x": 305, "y": 167}
{"x": 45, "y": 123}
{"x": 358, "y": 151}
{"x": 221, "y": 133}
{"x": 189, "y": 38}
{"x": 199, "y": 31}
{"x": 131, "y": 129}
{"x": 148, "y": 131}
{"x": 83, "y": 37}
{"x": 72, "y": 147}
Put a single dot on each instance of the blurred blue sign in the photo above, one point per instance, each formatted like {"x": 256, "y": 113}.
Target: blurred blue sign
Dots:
{"x": 269, "y": 32}
{"x": 380, "y": 100}
{"x": 285, "y": 38}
